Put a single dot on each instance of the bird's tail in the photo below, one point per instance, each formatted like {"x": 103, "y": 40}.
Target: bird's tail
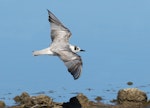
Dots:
{"x": 45, "y": 51}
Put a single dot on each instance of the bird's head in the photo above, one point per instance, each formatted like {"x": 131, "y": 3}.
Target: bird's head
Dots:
{"x": 76, "y": 49}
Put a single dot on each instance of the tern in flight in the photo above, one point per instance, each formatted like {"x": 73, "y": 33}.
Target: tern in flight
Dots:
{"x": 61, "y": 47}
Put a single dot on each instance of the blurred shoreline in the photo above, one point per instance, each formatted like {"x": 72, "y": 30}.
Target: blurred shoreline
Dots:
{"x": 126, "y": 98}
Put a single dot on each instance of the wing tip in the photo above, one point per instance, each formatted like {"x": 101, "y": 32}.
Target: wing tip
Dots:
{"x": 53, "y": 18}
{"x": 76, "y": 72}
{"x": 75, "y": 78}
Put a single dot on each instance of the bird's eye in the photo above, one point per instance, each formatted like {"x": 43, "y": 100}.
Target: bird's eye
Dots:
{"x": 75, "y": 48}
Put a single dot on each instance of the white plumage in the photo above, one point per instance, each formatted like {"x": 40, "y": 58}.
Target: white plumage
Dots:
{"x": 60, "y": 47}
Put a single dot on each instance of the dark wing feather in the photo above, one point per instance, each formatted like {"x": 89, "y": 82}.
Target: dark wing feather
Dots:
{"x": 73, "y": 62}
{"x": 58, "y": 30}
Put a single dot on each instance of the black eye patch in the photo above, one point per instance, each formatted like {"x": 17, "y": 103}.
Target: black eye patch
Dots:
{"x": 75, "y": 48}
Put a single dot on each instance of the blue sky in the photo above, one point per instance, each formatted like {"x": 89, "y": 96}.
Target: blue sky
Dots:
{"x": 114, "y": 33}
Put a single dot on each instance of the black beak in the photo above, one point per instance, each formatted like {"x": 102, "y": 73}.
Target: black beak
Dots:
{"x": 82, "y": 50}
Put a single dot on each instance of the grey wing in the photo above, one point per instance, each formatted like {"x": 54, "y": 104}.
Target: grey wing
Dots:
{"x": 73, "y": 62}
{"x": 58, "y": 30}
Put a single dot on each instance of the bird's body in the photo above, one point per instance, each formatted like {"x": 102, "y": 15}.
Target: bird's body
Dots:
{"x": 60, "y": 47}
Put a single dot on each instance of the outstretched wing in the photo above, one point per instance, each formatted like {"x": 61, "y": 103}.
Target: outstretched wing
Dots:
{"x": 72, "y": 61}
{"x": 58, "y": 31}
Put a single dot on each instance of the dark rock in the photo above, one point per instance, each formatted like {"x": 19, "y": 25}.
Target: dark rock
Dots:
{"x": 131, "y": 95}
{"x": 129, "y": 83}
{"x": 41, "y": 99}
{"x": 75, "y": 102}
{"x": 127, "y": 98}
{"x": 2, "y": 104}
{"x": 23, "y": 98}
{"x": 25, "y": 101}
{"x": 98, "y": 98}
{"x": 81, "y": 101}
